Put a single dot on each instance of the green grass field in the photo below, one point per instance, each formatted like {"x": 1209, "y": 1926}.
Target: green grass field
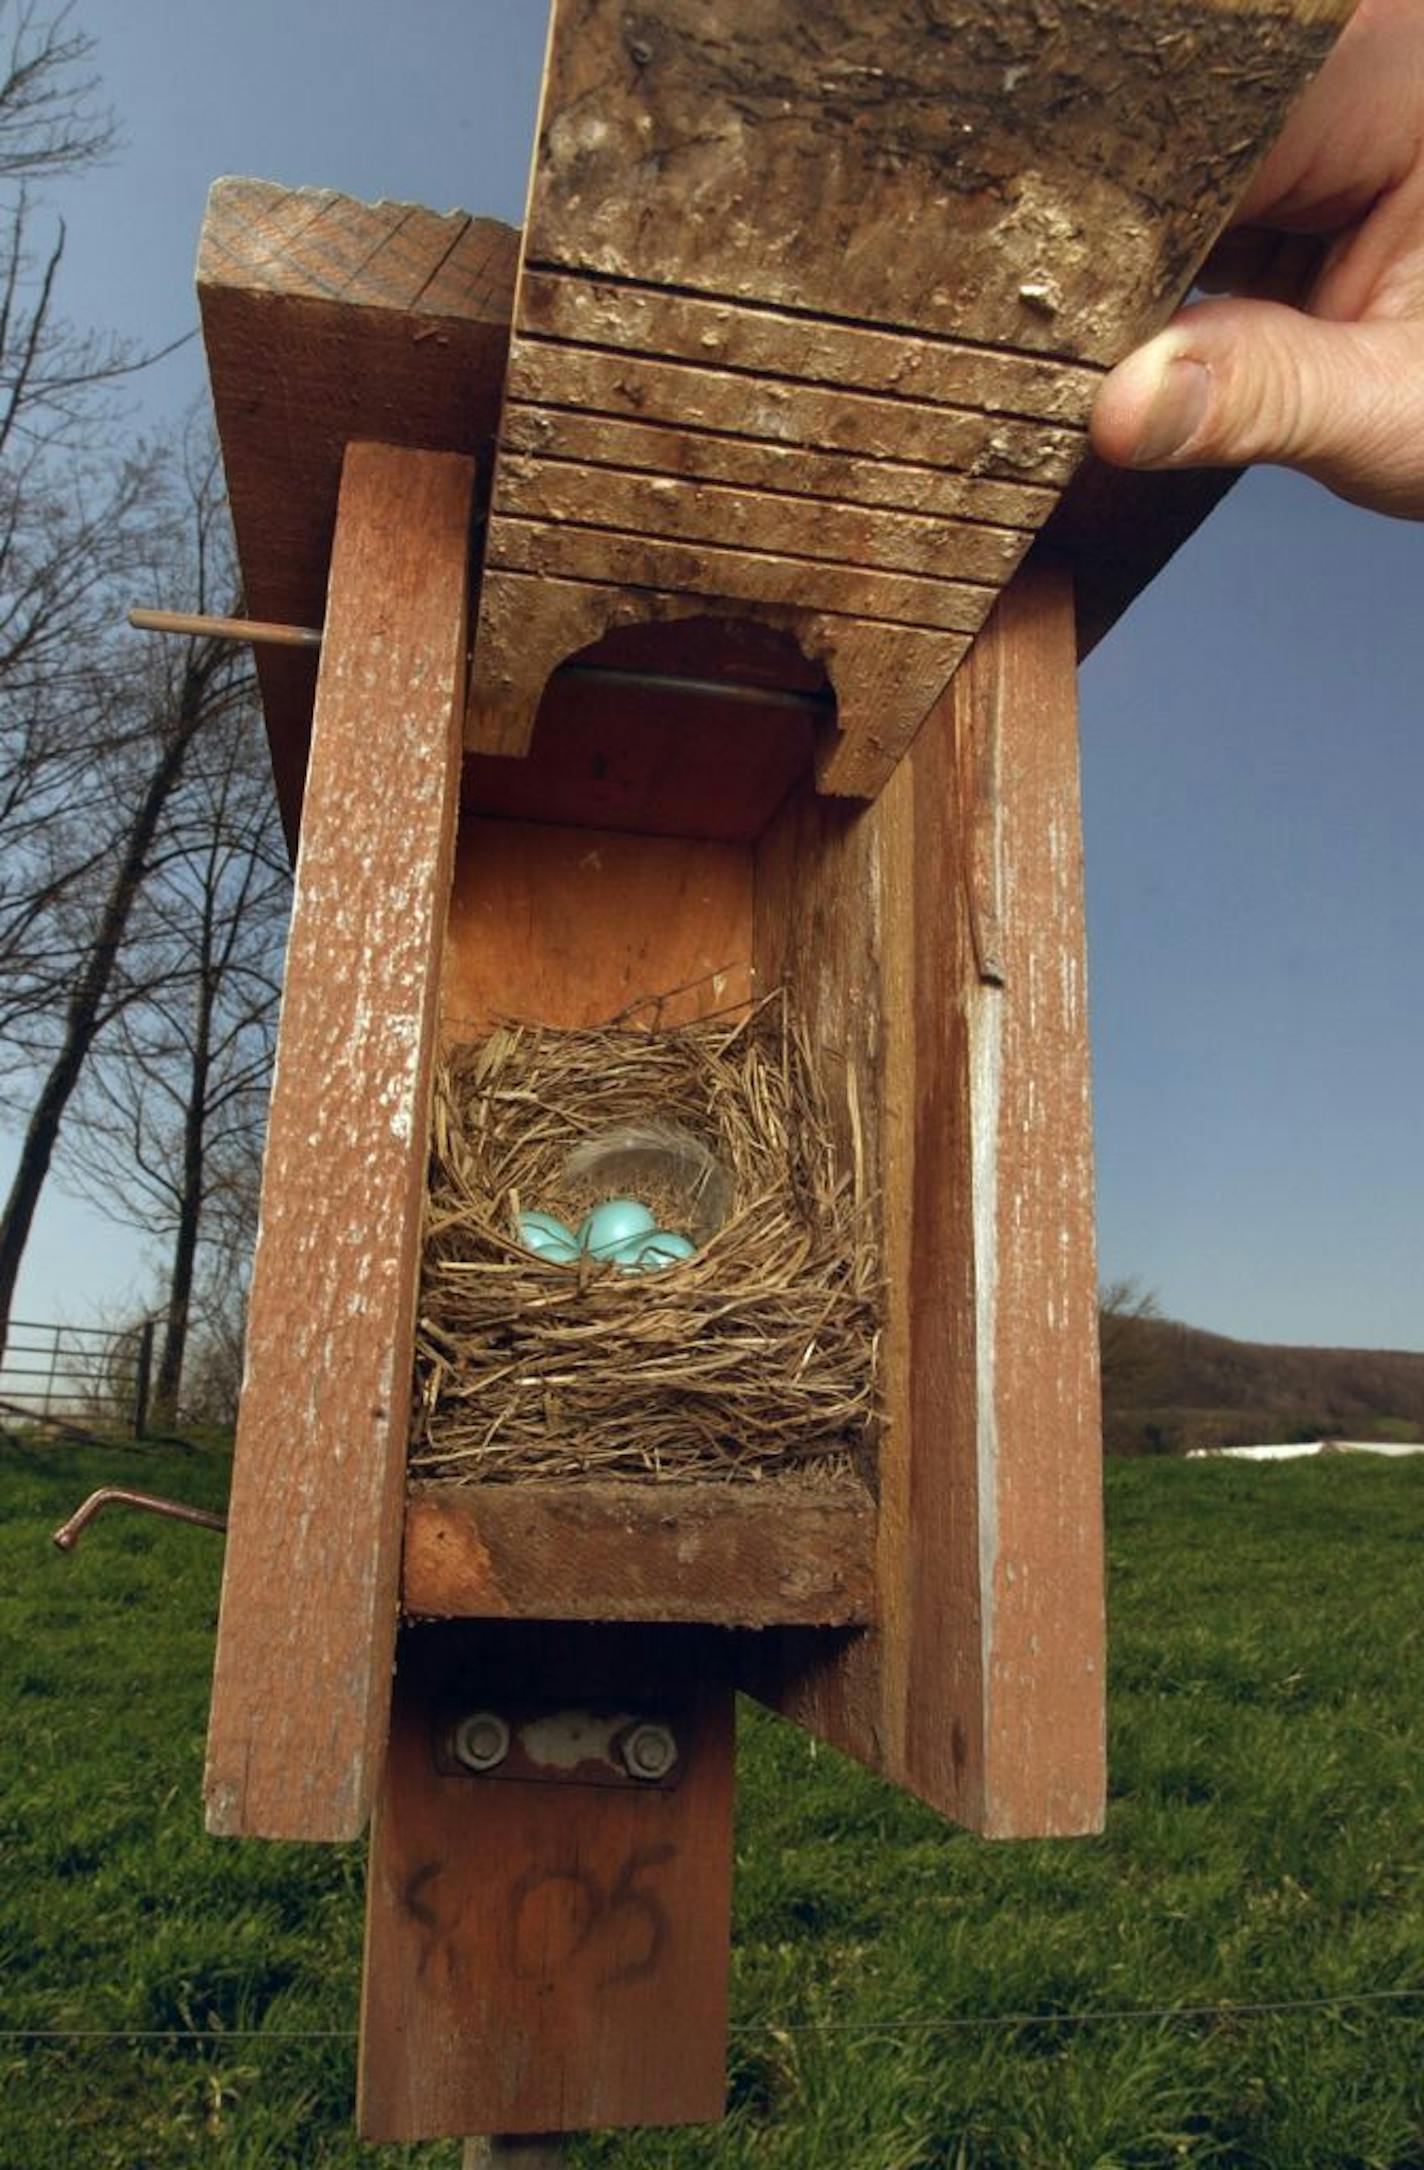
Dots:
{"x": 1265, "y": 1844}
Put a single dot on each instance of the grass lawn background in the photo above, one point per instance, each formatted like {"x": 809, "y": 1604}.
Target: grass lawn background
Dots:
{"x": 1265, "y": 1843}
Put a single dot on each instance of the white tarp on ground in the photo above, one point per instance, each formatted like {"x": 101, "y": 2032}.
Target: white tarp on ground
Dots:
{"x": 1293, "y": 1452}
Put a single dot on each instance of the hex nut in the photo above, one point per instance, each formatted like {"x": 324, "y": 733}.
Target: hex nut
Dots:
{"x": 481, "y": 1741}
{"x": 649, "y": 1752}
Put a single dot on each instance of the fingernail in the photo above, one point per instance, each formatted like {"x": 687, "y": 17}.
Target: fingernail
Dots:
{"x": 1176, "y": 413}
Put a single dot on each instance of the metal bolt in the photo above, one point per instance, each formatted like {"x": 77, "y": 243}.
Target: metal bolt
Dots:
{"x": 649, "y": 1751}
{"x": 481, "y": 1741}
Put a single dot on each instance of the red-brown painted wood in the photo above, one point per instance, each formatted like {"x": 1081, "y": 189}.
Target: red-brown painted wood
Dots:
{"x": 302, "y": 1682}
{"x": 545, "y": 1955}
{"x": 935, "y": 942}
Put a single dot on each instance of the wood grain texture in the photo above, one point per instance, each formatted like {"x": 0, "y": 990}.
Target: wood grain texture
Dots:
{"x": 1040, "y": 1521}
{"x": 542, "y": 1957}
{"x": 936, "y": 943}
{"x": 793, "y": 471}
{"x": 327, "y": 322}
{"x": 572, "y": 927}
{"x": 1039, "y": 177}
{"x": 821, "y": 417}
{"x": 898, "y": 234}
{"x": 772, "y": 344}
{"x": 313, "y": 1552}
{"x": 739, "y": 572}
{"x": 629, "y": 1552}
{"x": 762, "y": 520}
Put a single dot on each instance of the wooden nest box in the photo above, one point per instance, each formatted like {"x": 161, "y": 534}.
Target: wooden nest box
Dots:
{"x": 755, "y": 484}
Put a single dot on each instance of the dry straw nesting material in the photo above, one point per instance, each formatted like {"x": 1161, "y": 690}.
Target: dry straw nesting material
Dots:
{"x": 754, "y": 1359}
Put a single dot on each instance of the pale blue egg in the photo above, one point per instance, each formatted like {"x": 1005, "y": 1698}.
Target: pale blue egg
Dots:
{"x": 666, "y": 1248}
{"x": 650, "y": 1253}
{"x": 542, "y": 1233}
{"x": 613, "y": 1223}
{"x": 627, "y": 1257}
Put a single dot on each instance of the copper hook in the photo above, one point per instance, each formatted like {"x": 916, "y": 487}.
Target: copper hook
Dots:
{"x": 117, "y": 1495}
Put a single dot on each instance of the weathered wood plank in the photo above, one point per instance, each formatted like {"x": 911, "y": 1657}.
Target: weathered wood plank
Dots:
{"x": 328, "y": 322}
{"x": 676, "y": 1552}
{"x": 839, "y": 477}
{"x": 312, "y": 1574}
{"x": 1040, "y": 1531}
{"x": 823, "y": 418}
{"x": 1037, "y": 181}
{"x": 880, "y": 233}
{"x": 573, "y": 927}
{"x": 518, "y": 545}
{"x": 634, "y": 319}
{"x": 936, "y": 943}
{"x": 656, "y": 506}
{"x": 543, "y": 1956}
{"x": 315, "y": 241}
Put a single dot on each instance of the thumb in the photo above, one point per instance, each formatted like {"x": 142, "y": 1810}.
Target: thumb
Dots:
{"x": 1230, "y": 382}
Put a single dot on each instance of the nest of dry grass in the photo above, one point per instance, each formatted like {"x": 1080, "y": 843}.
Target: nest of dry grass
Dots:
{"x": 754, "y": 1359}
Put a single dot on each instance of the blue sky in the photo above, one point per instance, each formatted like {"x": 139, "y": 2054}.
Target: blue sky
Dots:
{"x": 1253, "y": 731}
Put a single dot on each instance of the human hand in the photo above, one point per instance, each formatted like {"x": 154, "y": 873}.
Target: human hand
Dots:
{"x": 1334, "y": 386}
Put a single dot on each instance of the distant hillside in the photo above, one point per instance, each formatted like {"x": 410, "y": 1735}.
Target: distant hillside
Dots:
{"x": 1167, "y": 1387}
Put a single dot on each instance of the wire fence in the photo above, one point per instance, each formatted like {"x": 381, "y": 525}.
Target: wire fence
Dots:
{"x": 949, "y": 2023}
{"x": 78, "y": 1378}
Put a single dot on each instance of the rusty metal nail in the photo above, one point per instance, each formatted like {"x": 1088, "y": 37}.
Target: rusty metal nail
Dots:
{"x": 481, "y": 1741}
{"x": 649, "y": 1751}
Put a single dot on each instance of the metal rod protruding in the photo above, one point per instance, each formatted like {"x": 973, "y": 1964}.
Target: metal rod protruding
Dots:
{"x": 117, "y": 1495}
{"x": 261, "y": 631}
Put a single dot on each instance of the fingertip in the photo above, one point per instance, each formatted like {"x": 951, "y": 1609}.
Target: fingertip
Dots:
{"x": 1150, "y": 408}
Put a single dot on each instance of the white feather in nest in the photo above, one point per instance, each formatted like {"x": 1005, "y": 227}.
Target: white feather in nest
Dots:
{"x": 657, "y": 1161}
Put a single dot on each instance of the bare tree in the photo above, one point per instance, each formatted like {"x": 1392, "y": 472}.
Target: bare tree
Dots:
{"x": 73, "y": 509}
{"x": 52, "y": 126}
{"x": 76, "y": 971}
{"x": 212, "y": 1373}
{"x": 51, "y": 121}
{"x": 167, "y": 1124}
{"x": 95, "y": 735}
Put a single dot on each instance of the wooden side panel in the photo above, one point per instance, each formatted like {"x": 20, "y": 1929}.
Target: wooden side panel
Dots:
{"x": 747, "y": 1557}
{"x": 939, "y": 949}
{"x": 574, "y": 927}
{"x": 313, "y": 1552}
{"x": 1041, "y": 1558}
{"x": 546, "y": 1956}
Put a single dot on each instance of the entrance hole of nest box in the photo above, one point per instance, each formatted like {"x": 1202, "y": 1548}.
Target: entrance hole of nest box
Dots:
{"x": 695, "y": 728}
